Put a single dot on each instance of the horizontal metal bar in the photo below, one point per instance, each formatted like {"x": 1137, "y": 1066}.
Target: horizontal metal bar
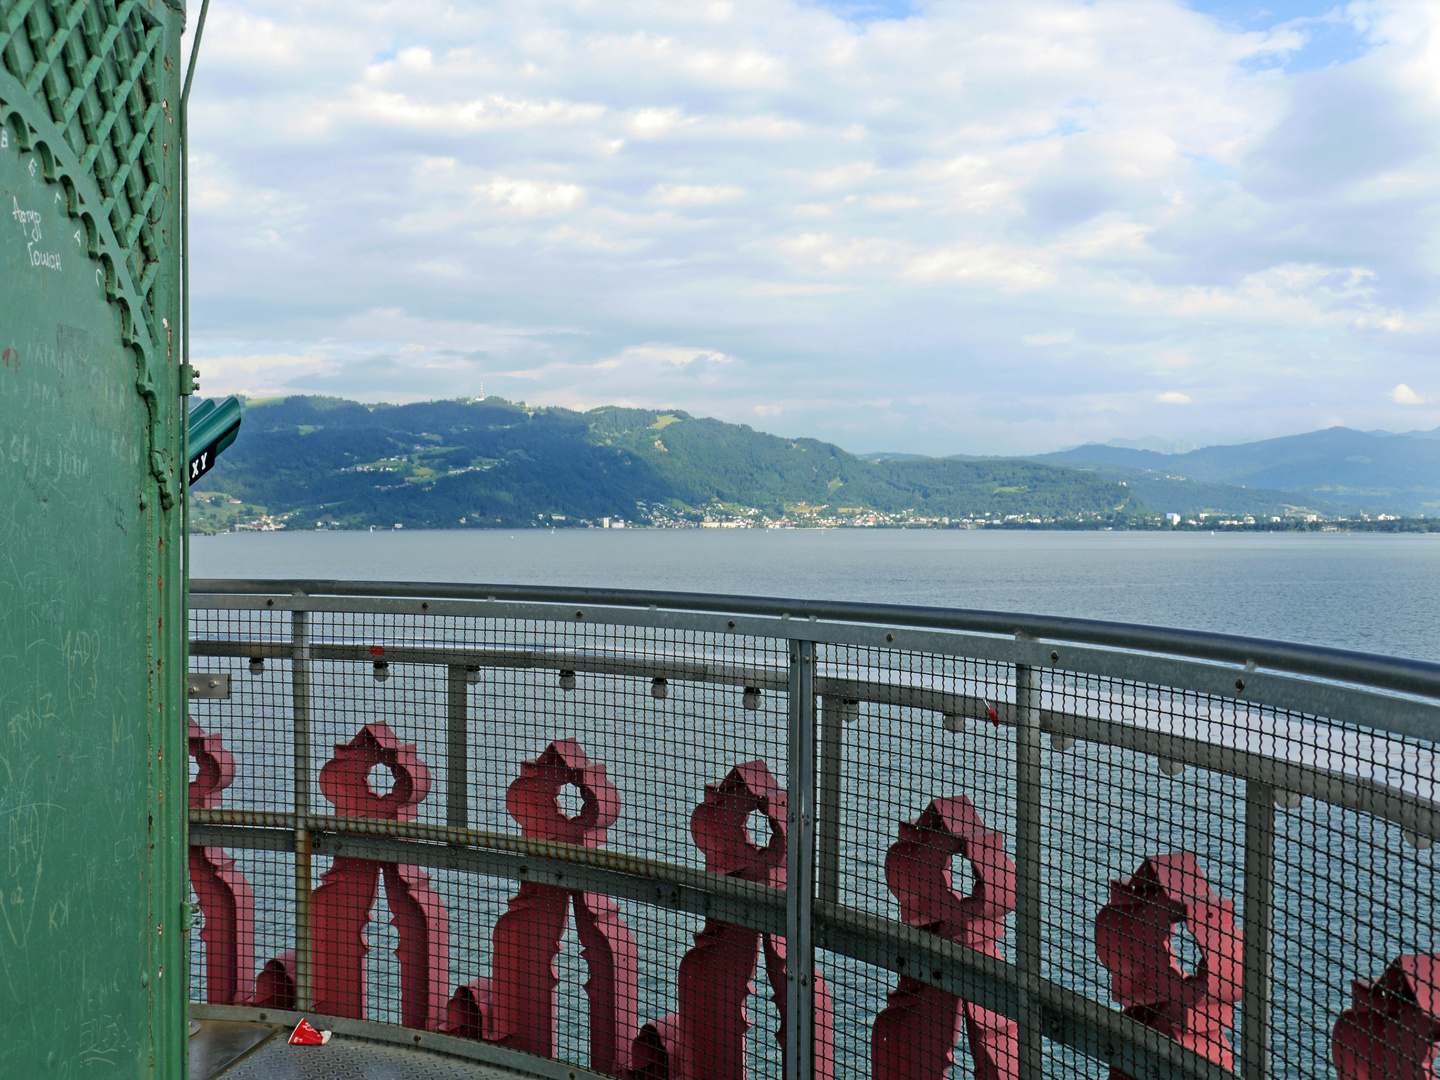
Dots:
{"x": 1369, "y": 669}
{"x": 1406, "y": 809}
{"x": 594, "y": 662}
{"x": 1409, "y": 810}
{"x": 473, "y": 1050}
{"x": 1069, "y": 1018}
{"x": 1409, "y": 717}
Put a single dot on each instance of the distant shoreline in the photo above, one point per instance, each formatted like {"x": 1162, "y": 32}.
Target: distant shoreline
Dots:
{"x": 1394, "y": 525}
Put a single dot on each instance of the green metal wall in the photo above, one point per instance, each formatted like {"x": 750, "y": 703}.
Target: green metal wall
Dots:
{"x": 93, "y": 759}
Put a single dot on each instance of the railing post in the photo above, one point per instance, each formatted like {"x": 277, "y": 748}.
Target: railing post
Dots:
{"x": 300, "y": 703}
{"x": 457, "y": 749}
{"x": 1028, "y": 928}
{"x": 1259, "y": 892}
{"x": 834, "y": 713}
{"x": 800, "y": 868}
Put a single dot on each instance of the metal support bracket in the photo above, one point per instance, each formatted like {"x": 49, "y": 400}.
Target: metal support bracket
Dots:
{"x": 201, "y": 684}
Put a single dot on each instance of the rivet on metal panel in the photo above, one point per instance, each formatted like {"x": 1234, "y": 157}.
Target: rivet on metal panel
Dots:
{"x": 579, "y": 614}
{"x": 889, "y": 637}
{"x": 1239, "y": 684}
{"x": 731, "y": 624}
{"x": 1054, "y": 657}
{"x": 424, "y": 607}
{"x": 268, "y": 603}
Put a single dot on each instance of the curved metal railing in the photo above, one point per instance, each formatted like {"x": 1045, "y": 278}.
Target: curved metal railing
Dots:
{"x": 1268, "y": 806}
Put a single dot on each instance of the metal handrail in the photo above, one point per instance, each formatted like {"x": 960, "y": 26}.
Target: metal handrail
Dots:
{"x": 1351, "y": 773}
{"x": 1420, "y": 677}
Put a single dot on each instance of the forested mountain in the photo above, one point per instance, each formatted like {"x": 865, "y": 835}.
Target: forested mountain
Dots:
{"x": 455, "y": 463}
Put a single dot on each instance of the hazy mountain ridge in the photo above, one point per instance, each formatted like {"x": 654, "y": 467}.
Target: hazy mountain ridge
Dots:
{"x": 1365, "y": 470}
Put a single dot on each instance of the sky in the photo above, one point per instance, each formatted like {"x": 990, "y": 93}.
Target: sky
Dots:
{"x": 941, "y": 226}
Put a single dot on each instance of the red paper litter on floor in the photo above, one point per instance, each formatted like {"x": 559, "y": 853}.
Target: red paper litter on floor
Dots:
{"x": 305, "y": 1035}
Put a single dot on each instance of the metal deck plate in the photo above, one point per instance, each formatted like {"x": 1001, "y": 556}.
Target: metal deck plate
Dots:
{"x": 219, "y": 1043}
{"x": 344, "y": 1058}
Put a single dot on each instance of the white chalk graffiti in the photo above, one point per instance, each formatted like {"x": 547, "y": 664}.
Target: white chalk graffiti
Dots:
{"x": 50, "y": 260}
{"x": 29, "y": 220}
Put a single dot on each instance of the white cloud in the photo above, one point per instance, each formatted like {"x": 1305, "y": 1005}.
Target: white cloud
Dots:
{"x": 694, "y": 194}
{"x": 888, "y": 206}
{"x": 1173, "y": 397}
{"x": 531, "y": 198}
{"x": 1403, "y": 395}
{"x": 705, "y": 363}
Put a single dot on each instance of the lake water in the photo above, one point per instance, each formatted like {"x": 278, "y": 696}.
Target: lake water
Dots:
{"x": 1360, "y": 591}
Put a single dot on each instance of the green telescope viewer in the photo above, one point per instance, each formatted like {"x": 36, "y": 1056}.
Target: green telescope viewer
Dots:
{"x": 213, "y": 428}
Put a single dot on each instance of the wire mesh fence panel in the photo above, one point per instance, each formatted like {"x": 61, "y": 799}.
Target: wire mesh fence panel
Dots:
{"x": 563, "y": 833}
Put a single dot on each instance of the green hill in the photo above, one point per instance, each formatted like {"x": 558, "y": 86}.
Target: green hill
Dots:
{"x": 449, "y": 464}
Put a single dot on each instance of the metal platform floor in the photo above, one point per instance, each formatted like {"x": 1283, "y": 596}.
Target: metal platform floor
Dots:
{"x": 232, "y": 1050}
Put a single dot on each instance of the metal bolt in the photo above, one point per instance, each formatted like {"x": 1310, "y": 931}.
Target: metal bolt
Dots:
{"x": 425, "y": 607}
{"x": 270, "y": 602}
{"x": 889, "y": 637}
{"x": 214, "y": 682}
{"x": 579, "y": 614}
{"x": 1054, "y": 657}
{"x": 1239, "y": 684}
